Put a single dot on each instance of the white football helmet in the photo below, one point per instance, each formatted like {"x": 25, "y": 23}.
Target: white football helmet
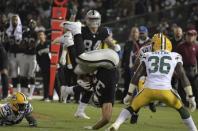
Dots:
{"x": 93, "y": 19}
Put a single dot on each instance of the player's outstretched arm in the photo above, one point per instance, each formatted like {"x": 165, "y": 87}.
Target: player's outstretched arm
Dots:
{"x": 186, "y": 85}
{"x": 31, "y": 120}
{"x": 141, "y": 70}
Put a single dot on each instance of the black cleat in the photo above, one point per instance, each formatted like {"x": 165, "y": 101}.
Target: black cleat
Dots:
{"x": 134, "y": 118}
{"x": 152, "y": 107}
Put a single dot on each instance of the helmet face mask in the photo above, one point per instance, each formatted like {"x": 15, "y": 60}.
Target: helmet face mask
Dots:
{"x": 93, "y": 19}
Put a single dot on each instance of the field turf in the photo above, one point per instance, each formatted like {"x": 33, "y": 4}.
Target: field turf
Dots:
{"x": 59, "y": 117}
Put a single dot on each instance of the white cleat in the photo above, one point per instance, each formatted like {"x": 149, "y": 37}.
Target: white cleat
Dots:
{"x": 81, "y": 115}
{"x": 113, "y": 127}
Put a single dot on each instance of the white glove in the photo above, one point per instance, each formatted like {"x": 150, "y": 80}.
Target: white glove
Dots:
{"x": 74, "y": 27}
{"x": 117, "y": 47}
{"x": 88, "y": 127}
{"x": 63, "y": 57}
{"x": 66, "y": 39}
{"x": 85, "y": 85}
{"x": 127, "y": 99}
{"x": 192, "y": 103}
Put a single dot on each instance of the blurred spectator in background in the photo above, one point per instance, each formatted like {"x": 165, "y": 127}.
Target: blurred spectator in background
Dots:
{"x": 163, "y": 26}
{"x": 43, "y": 60}
{"x": 3, "y": 56}
{"x": 176, "y": 41}
{"x": 177, "y": 37}
{"x": 15, "y": 55}
{"x": 189, "y": 51}
{"x": 194, "y": 15}
{"x": 141, "y": 7}
{"x": 143, "y": 38}
{"x": 128, "y": 57}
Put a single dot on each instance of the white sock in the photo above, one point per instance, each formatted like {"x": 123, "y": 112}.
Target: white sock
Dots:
{"x": 19, "y": 87}
{"x": 69, "y": 90}
{"x": 32, "y": 87}
{"x": 124, "y": 115}
{"x": 81, "y": 107}
{"x": 190, "y": 124}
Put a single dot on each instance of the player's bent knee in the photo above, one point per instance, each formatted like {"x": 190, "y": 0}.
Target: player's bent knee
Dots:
{"x": 183, "y": 113}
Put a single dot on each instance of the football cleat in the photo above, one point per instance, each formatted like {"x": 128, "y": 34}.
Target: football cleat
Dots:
{"x": 81, "y": 115}
{"x": 152, "y": 107}
{"x": 113, "y": 127}
{"x": 134, "y": 118}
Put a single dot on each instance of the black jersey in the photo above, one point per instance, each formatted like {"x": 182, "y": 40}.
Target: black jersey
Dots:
{"x": 3, "y": 38}
{"x": 104, "y": 86}
{"x": 91, "y": 40}
{"x": 29, "y": 41}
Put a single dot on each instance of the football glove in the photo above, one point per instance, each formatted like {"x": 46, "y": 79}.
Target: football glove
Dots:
{"x": 74, "y": 27}
{"x": 192, "y": 103}
{"x": 66, "y": 40}
{"x": 127, "y": 99}
{"x": 83, "y": 84}
{"x": 117, "y": 47}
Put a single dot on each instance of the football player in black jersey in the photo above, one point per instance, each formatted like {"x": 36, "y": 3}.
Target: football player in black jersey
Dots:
{"x": 93, "y": 34}
{"x": 101, "y": 60}
{"x": 28, "y": 67}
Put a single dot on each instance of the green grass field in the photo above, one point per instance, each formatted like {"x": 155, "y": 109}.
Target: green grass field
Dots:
{"x": 59, "y": 117}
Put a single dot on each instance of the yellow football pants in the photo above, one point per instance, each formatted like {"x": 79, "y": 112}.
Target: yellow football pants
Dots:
{"x": 141, "y": 83}
{"x": 147, "y": 95}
